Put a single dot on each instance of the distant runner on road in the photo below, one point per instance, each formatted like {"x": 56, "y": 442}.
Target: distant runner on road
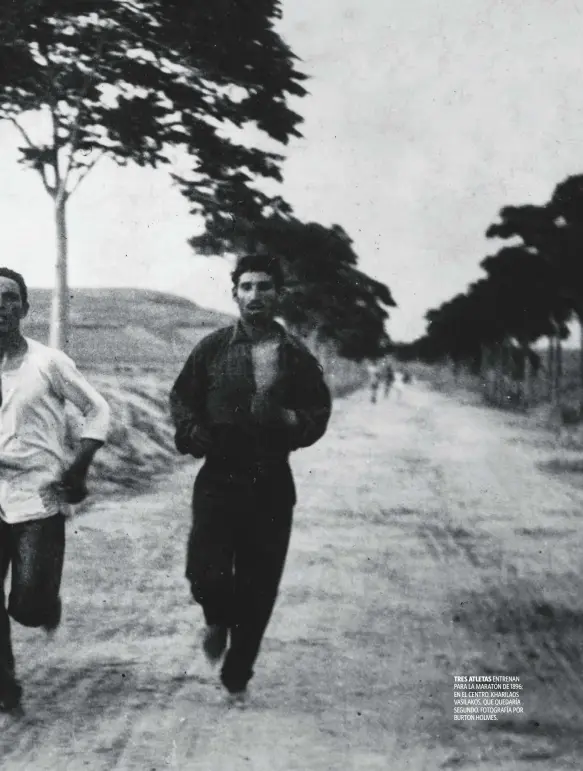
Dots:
{"x": 248, "y": 395}
{"x": 36, "y": 481}
{"x": 374, "y": 379}
{"x": 388, "y": 377}
{"x": 402, "y": 379}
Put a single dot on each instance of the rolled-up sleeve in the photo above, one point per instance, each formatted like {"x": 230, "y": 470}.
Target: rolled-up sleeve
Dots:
{"x": 73, "y": 387}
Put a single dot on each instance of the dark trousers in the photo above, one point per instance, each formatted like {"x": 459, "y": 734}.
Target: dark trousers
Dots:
{"x": 236, "y": 553}
{"x": 35, "y": 551}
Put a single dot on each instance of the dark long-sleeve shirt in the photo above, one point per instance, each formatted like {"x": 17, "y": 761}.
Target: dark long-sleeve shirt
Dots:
{"x": 215, "y": 389}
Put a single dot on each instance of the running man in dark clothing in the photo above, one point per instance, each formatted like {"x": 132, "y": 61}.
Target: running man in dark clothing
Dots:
{"x": 248, "y": 395}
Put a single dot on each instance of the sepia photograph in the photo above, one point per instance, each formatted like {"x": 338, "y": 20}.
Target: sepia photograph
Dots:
{"x": 291, "y": 385}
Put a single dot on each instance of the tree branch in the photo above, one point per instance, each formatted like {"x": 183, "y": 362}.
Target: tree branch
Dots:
{"x": 27, "y": 138}
{"x": 58, "y": 186}
{"x": 85, "y": 172}
{"x": 40, "y": 168}
{"x": 77, "y": 124}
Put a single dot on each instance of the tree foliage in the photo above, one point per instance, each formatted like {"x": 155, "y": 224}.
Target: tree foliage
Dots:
{"x": 529, "y": 290}
{"x": 132, "y": 79}
{"x": 325, "y": 290}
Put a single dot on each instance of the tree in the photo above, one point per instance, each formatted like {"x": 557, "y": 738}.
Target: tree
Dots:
{"x": 553, "y": 237}
{"x": 460, "y": 327}
{"x": 131, "y": 79}
{"x": 527, "y": 291}
{"x": 513, "y": 302}
{"x": 528, "y": 303}
{"x": 326, "y": 294}
{"x": 530, "y": 290}
{"x": 566, "y": 209}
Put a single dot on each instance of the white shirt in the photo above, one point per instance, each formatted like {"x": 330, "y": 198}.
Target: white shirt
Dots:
{"x": 33, "y": 427}
{"x": 265, "y": 363}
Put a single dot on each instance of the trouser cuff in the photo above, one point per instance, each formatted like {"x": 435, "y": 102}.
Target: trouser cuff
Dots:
{"x": 234, "y": 678}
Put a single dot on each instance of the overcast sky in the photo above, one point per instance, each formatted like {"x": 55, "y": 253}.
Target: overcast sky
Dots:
{"x": 423, "y": 119}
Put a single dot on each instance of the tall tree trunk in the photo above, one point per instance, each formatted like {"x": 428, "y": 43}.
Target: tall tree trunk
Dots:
{"x": 526, "y": 375}
{"x": 500, "y": 367}
{"x": 551, "y": 367}
{"x": 482, "y": 371}
{"x": 495, "y": 364}
{"x": 491, "y": 373}
{"x": 579, "y": 313}
{"x": 558, "y": 368}
{"x": 59, "y": 331}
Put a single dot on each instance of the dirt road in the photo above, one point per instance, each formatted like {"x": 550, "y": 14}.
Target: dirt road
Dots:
{"x": 430, "y": 540}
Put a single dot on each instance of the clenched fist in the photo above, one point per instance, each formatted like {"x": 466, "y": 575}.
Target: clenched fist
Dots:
{"x": 199, "y": 442}
{"x": 73, "y": 486}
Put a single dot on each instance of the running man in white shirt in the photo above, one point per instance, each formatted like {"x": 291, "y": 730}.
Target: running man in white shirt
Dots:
{"x": 37, "y": 484}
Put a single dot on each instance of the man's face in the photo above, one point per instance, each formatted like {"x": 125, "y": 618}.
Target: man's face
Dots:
{"x": 12, "y": 308}
{"x": 256, "y": 296}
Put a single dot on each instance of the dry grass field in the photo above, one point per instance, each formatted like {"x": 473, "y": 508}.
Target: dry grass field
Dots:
{"x": 126, "y": 329}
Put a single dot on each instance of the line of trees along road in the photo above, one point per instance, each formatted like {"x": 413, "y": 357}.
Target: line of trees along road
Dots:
{"x": 327, "y": 297}
{"x": 135, "y": 80}
{"x": 532, "y": 289}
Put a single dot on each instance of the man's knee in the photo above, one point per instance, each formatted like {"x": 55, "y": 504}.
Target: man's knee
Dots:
{"x": 208, "y": 583}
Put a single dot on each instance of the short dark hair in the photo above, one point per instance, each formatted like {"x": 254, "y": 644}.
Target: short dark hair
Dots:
{"x": 14, "y": 276}
{"x": 261, "y": 263}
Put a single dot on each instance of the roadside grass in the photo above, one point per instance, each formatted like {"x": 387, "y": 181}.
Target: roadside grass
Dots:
{"x": 541, "y": 415}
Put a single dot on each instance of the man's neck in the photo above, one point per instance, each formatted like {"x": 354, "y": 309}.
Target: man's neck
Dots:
{"x": 11, "y": 345}
{"x": 258, "y": 332}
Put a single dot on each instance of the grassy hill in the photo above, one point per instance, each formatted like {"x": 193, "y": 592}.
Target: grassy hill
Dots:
{"x": 126, "y": 328}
